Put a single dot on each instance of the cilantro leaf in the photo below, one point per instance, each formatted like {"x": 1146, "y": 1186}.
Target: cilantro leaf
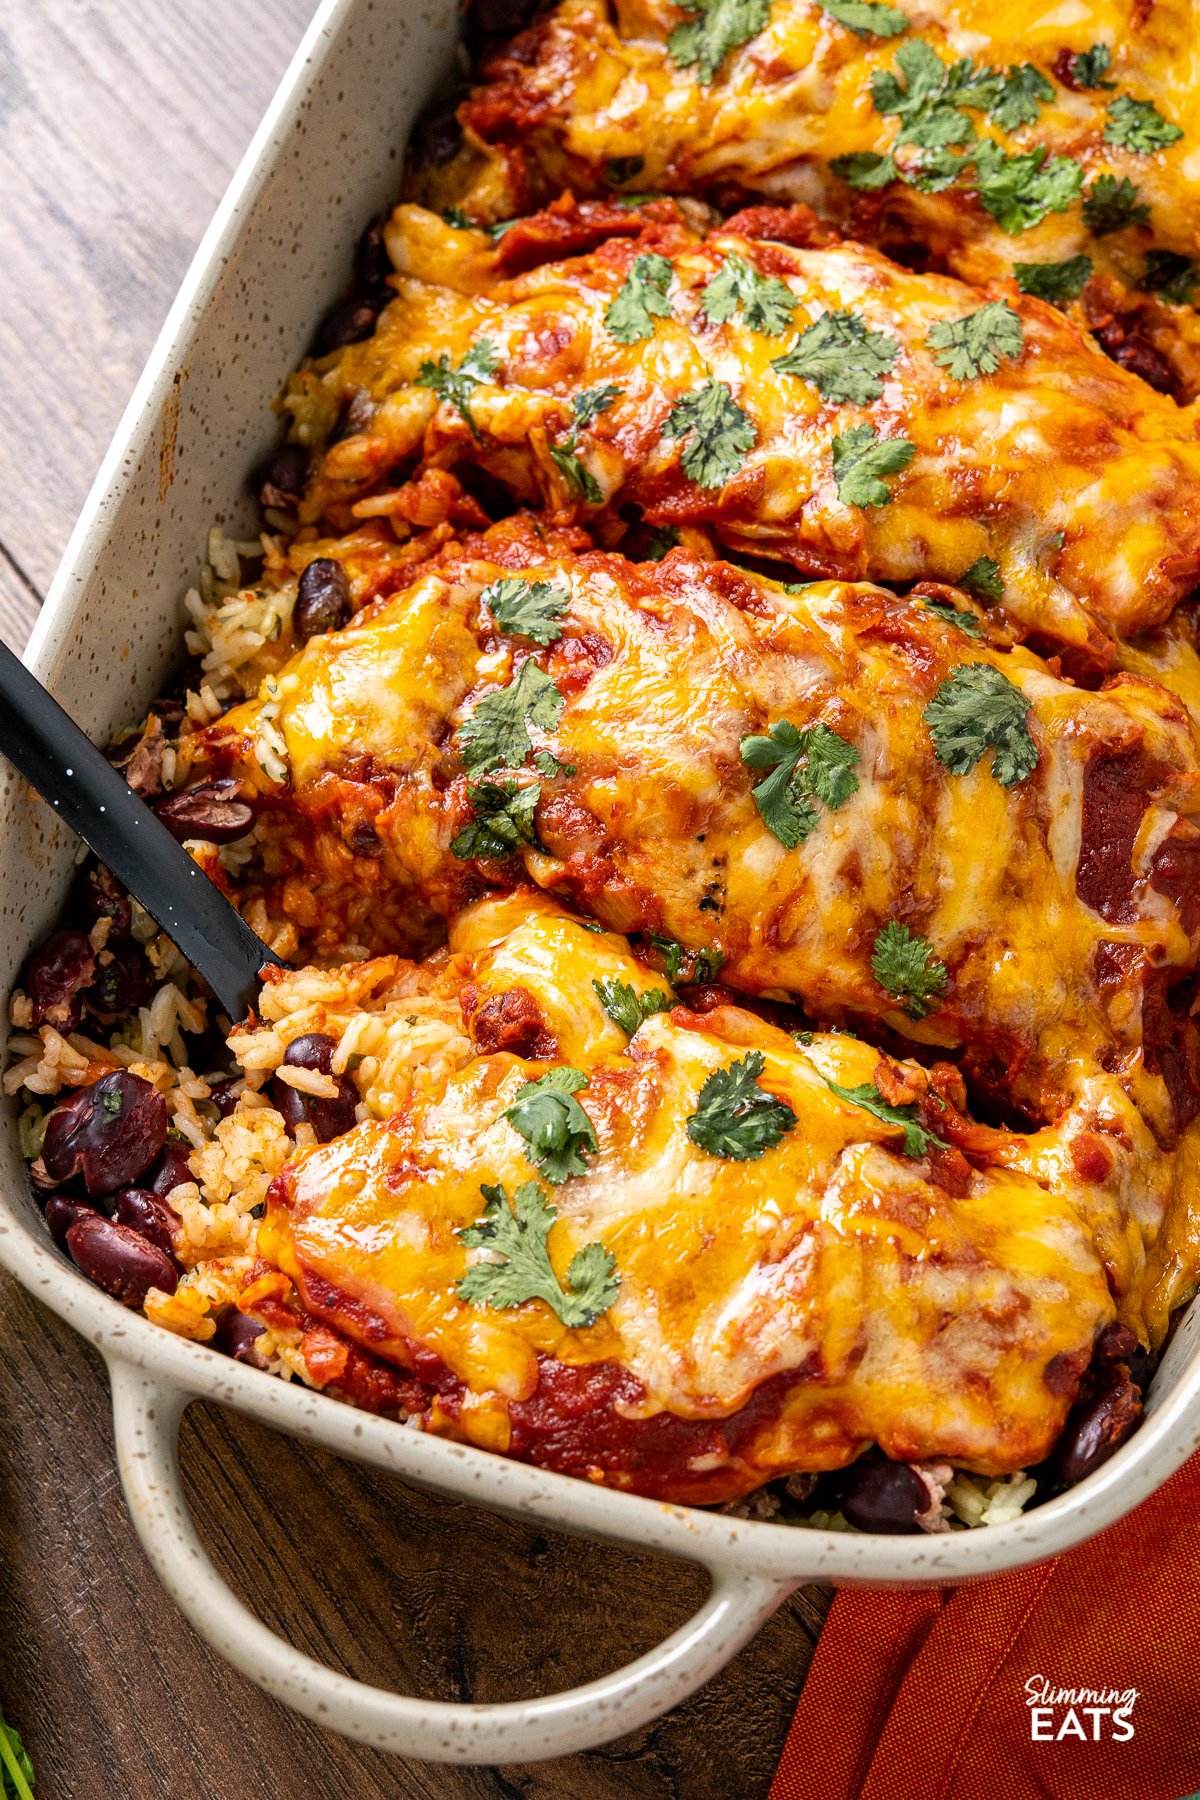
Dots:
{"x": 495, "y": 736}
{"x": 1170, "y": 275}
{"x": 1053, "y": 281}
{"x": 547, "y": 764}
{"x": 531, "y": 609}
{"x": 983, "y": 579}
{"x": 866, "y": 18}
{"x": 929, "y": 104}
{"x": 519, "y": 1233}
{"x": 641, "y": 299}
{"x": 906, "y": 968}
{"x": 917, "y": 1138}
{"x": 1138, "y": 125}
{"x": 721, "y": 433}
{"x": 1018, "y": 191}
{"x": 588, "y": 405}
{"x": 579, "y": 477}
{"x": 620, "y": 169}
{"x": 1022, "y": 90}
{"x": 458, "y": 219}
{"x": 977, "y": 708}
{"x": 455, "y": 386}
{"x": 504, "y": 820}
{"x": 687, "y": 965}
{"x": 808, "y": 765}
{"x": 865, "y": 170}
{"x": 861, "y": 458}
{"x": 767, "y": 303}
{"x": 841, "y": 358}
{"x": 662, "y": 539}
{"x": 1111, "y": 205}
{"x": 965, "y": 621}
{"x": 720, "y": 26}
{"x": 1089, "y": 66}
{"x": 977, "y": 343}
{"x": 625, "y": 1006}
{"x": 735, "y": 1118}
{"x": 557, "y": 1132}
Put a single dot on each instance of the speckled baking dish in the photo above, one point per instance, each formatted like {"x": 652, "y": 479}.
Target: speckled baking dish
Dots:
{"x": 325, "y": 159}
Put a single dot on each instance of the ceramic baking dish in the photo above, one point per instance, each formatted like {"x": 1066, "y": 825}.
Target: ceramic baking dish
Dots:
{"x": 325, "y": 159}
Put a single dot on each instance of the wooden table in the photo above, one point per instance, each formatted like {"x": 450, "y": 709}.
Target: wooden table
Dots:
{"x": 119, "y": 125}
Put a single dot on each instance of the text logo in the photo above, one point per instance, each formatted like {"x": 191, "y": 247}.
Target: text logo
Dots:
{"x": 1090, "y": 1714}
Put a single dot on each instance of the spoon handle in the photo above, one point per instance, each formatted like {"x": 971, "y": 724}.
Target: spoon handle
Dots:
{"x": 46, "y": 746}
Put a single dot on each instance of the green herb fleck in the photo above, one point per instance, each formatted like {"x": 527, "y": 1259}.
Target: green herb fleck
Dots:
{"x": 720, "y": 432}
{"x": 504, "y": 820}
{"x": 587, "y": 406}
{"x": 807, "y": 765}
{"x": 867, "y": 18}
{"x": 1110, "y": 205}
{"x": 720, "y": 26}
{"x": 620, "y": 169}
{"x": 642, "y": 299}
{"x": 456, "y": 217}
{"x": 496, "y": 735}
{"x": 532, "y": 609}
{"x": 861, "y": 458}
{"x": 983, "y": 579}
{"x": 929, "y": 102}
{"x": 977, "y": 708}
{"x": 1138, "y": 125}
{"x": 625, "y": 1006}
{"x": 662, "y": 539}
{"x": 1170, "y": 275}
{"x": 558, "y": 1133}
{"x": 455, "y": 386}
{"x": 735, "y": 1118}
{"x": 1090, "y": 66}
{"x": 977, "y": 343}
{"x": 519, "y": 1233}
{"x": 767, "y": 303}
{"x": 1018, "y": 191}
{"x": 950, "y": 615}
{"x": 1054, "y": 281}
{"x": 917, "y": 1138}
{"x": 687, "y": 965}
{"x": 1022, "y": 91}
{"x": 841, "y": 357}
{"x": 906, "y": 968}
{"x": 865, "y": 170}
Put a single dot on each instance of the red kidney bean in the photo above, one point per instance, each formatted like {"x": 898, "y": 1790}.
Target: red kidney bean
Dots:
{"x": 328, "y": 1118}
{"x": 1116, "y": 1344}
{"x": 101, "y": 896}
{"x": 1099, "y": 1425}
{"x": 123, "y": 984}
{"x": 349, "y": 323}
{"x": 61, "y": 1214}
{"x": 323, "y": 600}
{"x": 109, "y": 1132}
{"x": 238, "y": 1336}
{"x": 884, "y": 1496}
{"x": 149, "y": 1216}
{"x": 213, "y": 810}
{"x": 170, "y": 1171}
{"x": 55, "y": 978}
{"x": 119, "y": 1260}
{"x": 284, "y": 476}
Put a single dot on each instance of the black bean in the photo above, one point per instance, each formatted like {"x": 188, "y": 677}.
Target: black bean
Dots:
{"x": 119, "y": 1260}
{"x": 170, "y": 1171}
{"x": 55, "y": 978}
{"x": 323, "y": 599}
{"x": 62, "y": 1212}
{"x": 212, "y": 811}
{"x": 349, "y": 323}
{"x": 884, "y": 1496}
{"x": 284, "y": 476}
{"x": 238, "y": 1337}
{"x": 328, "y": 1118}
{"x": 1097, "y": 1425}
{"x": 109, "y": 1133}
{"x": 149, "y": 1216}
{"x": 123, "y": 984}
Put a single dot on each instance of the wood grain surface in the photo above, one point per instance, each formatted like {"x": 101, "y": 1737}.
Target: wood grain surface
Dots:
{"x": 120, "y": 122}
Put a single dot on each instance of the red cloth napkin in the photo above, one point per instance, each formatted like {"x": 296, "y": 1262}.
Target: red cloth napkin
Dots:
{"x": 926, "y": 1696}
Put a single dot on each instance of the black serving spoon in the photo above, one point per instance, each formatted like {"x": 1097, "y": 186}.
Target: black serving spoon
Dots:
{"x": 46, "y": 746}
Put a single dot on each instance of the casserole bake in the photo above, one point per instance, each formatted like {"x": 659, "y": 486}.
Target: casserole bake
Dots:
{"x": 757, "y": 1562}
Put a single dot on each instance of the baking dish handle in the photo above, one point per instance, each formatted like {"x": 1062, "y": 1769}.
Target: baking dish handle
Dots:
{"x": 147, "y": 1414}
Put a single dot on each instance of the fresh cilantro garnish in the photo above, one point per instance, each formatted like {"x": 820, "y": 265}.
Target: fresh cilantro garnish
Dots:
{"x": 866, "y": 18}
{"x": 532, "y": 609}
{"x": 497, "y": 231}
{"x": 807, "y": 765}
{"x": 455, "y": 386}
{"x": 979, "y": 342}
{"x": 841, "y": 357}
{"x": 1022, "y": 91}
{"x": 720, "y": 26}
{"x": 865, "y": 170}
{"x": 977, "y": 708}
{"x": 917, "y": 1138}
{"x": 456, "y": 217}
{"x": 861, "y": 458}
{"x": 928, "y": 104}
{"x": 496, "y": 735}
{"x": 1171, "y": 275}
{"x": 625, "y": 1006}
{"x": 1111, "y": 205}
{"x": 1138, "y": 125}
{"x": 519, "y": 1234}
{"x": 16, "y": 1766}
{"x": 735, "y": 1118}
{"x": 965, "y": 621}
{"x": 587, "y": 406}
{"x": 720, "y": 431}
{"x": 983, "y": 579}
{"x": 620, "y": 169}
{"x": 662, "y": 539}
{"x": 642, "y": 299}
{"x": 547, "y": 764}
{"x": 503, "y": 822}
{"x": 1018, "y": 191}
{"x": 906, "y": 968}
{"x": 767, "y": 304}
{"x": 1057, "y": 281}
{"x": 700, "y": 965}
{"x": 1088, "y": 68}
{"x": 558, "y": 1133}
{"x": 935, "y": 170}
{"x": 586, "y": 409}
